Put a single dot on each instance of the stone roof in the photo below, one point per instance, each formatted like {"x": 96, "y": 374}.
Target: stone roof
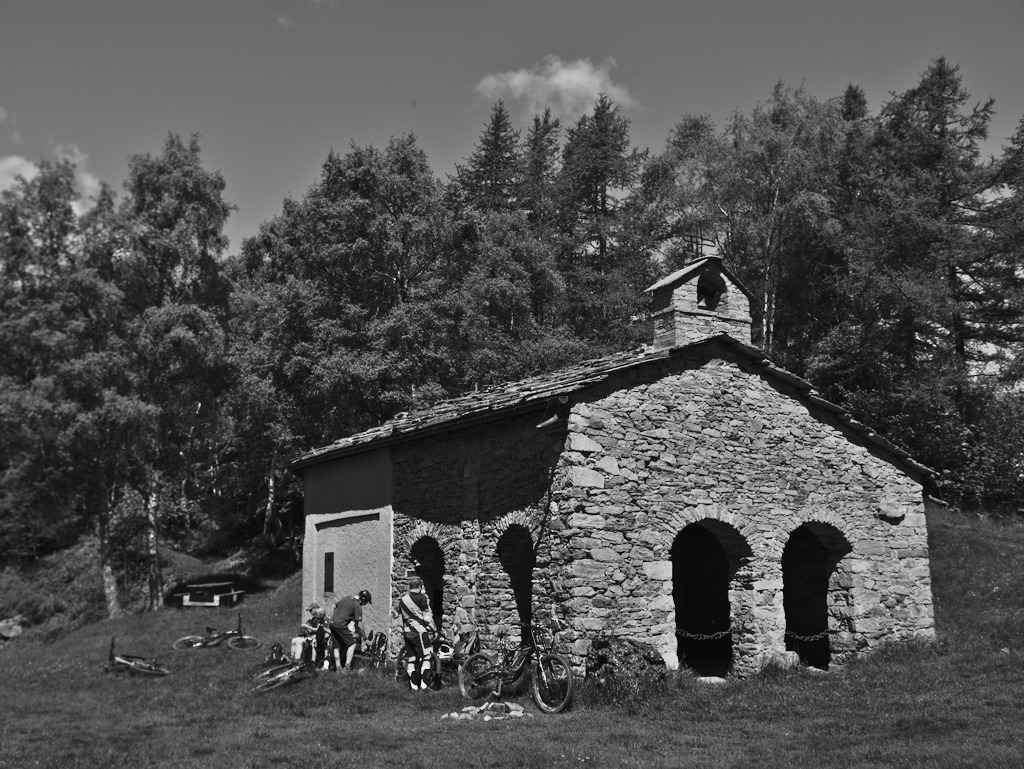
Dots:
{"x": 683, "y": 274}
{"x": 529, "y": 394}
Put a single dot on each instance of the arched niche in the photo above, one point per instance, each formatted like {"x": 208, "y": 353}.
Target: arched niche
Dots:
{"x": 706, "y": 557}
{"x": 811, "y": 590}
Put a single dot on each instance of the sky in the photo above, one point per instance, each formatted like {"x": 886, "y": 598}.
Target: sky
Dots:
{"x": 271, "y": 86}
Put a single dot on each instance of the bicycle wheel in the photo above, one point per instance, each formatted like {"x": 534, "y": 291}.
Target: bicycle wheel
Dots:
{"x": 400, "y": 674}
{"x": 272, "y": 671}
{"x": 147, "y": 669}
{"x": 188, "y": 642}
{"x": 551, "y": 683}
{"x": 449, "y": 674}
{"x": 244, "y": 643}
{"x": 478, "y": 677}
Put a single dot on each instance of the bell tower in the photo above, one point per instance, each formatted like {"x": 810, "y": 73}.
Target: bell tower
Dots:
{"x": 702, "y": 299}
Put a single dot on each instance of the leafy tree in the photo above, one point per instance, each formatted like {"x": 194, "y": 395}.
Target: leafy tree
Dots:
{"x": 761, "y": 194}
{"x": 336, "y": 320}
{"x": 174, "y": 215}
{"x": 61, "y": 321}
{"x": 169, "y": 264}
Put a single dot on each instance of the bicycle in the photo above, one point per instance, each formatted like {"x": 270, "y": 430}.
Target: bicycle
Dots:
{"x": 551, "y": 681}
{"x": 433, "y": 676}
{"x": 235, "y": 639}
{"x": 132, "y": 664}
{"x": 448, "y": 660}
{"x": 374, "y": 652}
{"x": 286, "y": 672}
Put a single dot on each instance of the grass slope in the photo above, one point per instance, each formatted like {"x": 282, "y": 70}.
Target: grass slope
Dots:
{"x": 955, "y": 703}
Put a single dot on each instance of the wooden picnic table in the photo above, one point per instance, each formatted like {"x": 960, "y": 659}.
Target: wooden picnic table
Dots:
{"x": 206, "y": 594}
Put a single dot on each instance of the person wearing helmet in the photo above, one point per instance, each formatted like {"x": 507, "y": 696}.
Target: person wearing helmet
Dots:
{"x": 316, "y": 626}
{"x": 417, "y": 629}
{"x": 346, "y": 626}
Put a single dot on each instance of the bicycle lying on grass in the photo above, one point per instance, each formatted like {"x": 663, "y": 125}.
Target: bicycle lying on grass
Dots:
{"x": 551, "y": 682}
{"x": 130, "y": 663}
{"x": 288, "y": 671}
{"x": 235, "y": 639}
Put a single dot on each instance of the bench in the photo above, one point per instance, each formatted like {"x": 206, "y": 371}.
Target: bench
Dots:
{"x": 207, "y": 594}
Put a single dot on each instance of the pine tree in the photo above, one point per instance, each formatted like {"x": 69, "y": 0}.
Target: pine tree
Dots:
{"x": 538, "y": 191}
{"x": 599, "y": 257}
{"x": 493, "y": 172}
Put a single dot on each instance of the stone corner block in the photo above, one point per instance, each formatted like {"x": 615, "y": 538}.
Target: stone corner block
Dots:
{"x": 661, "y": 570}
{"x": 583, "y": 444}
{"x": 585, "y": 477}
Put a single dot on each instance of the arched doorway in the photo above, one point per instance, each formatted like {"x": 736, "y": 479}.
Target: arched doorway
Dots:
{"x": 518, "y": 559}
{"x": 428, "y": 562}
{"x": 809, "y": 563}
{"x": 705, "y": 558}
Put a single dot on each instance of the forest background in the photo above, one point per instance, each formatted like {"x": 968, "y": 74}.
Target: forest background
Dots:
{"x": 153, "y": 387}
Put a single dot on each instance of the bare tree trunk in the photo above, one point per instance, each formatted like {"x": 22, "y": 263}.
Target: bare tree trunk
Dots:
{"x": 156, "y": 576}
{"x": 113, "y": 601}
{"x": 271, "y": 523}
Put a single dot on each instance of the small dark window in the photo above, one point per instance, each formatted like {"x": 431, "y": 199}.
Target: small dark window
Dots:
{"x": 328, "y": 572}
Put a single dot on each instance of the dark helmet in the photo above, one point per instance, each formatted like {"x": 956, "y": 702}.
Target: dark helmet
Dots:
{"x": 365, "y": 597}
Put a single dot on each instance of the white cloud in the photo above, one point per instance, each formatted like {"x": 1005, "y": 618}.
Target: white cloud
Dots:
{"x": 568, "y": 88}
{"x": 88, "y": 182}
{"x": 13, "y": 166}
{"x": 8, "y": 117}
{"x": 284, "y": 22}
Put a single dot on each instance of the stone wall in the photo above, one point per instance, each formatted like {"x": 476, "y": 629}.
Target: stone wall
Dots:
{"x": 715, "y": 445}
{"x": 619, "y": 503}
{"x": 480, "y": 494}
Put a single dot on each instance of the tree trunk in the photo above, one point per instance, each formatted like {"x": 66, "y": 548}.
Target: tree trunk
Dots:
{"x": 156, "y": 576}
{"x": 113, "y": 601}
{"x": 271, "y": 524}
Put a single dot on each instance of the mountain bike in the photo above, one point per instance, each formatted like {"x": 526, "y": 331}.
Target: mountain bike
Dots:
{"x": 235, "y": 639}
{"x": 373, "y": 652}
{"x": 120, "y": 663}
{"x": 286, "y": 672}
{"x": 550, "y": 674}
{"x": 444, "y": 663}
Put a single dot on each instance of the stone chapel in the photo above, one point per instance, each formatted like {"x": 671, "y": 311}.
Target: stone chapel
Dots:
{"x": 689, "y": 496}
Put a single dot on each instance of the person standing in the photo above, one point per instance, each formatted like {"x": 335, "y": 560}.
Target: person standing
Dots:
{"x": 417, "y": 630}
{"x": 346, "y": 624}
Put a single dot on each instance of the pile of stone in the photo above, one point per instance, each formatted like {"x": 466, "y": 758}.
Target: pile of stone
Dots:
{"x": 608, "y": 655}
{"x": 489, "y": 711}
{"x": 11, "y": 628}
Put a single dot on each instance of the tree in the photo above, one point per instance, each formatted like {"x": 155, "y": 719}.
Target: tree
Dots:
{"x": 538, "y": 189}
{"x": 336, "y": 316}
{"x": 492, "y": 174}
{"x": 62, "y": 325}
{"x": 932, "y": 291}
{"x": 1004, "y": 224}
{"x": 761, "y": 194}
{"x": 174, "y": 214}
{"x": 599, "y": 171}
{"x": 169, "y": 267}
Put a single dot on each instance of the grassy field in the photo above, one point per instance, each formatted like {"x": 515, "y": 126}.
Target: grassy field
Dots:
{"x": 955, "y": 703}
